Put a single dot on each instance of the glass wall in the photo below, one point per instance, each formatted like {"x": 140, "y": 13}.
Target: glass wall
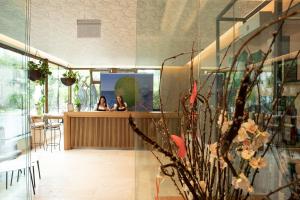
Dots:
{"x": 14, "y": 129}
{"x": 227, "y": 42}
{"x": 164, "y": 29}
{"x": 15, "y": 154}
{"x": 57, "y": 92}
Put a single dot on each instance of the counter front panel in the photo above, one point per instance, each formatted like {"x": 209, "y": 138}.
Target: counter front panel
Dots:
{"x": 111, "y": 129}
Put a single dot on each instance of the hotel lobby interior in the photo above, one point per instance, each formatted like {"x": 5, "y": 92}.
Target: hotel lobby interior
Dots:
{"x": 149, "y": 99}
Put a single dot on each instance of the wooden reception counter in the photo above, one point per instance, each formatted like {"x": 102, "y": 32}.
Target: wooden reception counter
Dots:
{"x": 110, "y": 129}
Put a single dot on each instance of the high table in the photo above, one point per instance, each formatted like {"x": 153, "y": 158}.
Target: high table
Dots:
{"x": 111, "y": 129}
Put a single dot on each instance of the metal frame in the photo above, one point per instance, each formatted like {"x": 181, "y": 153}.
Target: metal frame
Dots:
{"x": 220, "y": 18}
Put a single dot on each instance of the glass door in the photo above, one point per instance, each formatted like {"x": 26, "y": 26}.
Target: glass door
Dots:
{"x": 16, "y": 175}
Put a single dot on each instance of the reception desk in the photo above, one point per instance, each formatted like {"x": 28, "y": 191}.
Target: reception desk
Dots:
{"x": 111, "y": 130}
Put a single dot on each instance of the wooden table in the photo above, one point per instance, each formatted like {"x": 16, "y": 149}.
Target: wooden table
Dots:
{"x": 48, "y": 116}
{"x": 111, "y": 129}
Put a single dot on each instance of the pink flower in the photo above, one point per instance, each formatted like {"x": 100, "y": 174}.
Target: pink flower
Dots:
{"x": 242, "y": 182}
{"x": 250, "y": 126}
{"x": 258, "y": 163}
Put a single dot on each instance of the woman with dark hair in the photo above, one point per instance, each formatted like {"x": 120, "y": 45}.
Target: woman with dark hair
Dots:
{"x": 102, "y": 105}
{"x": 120, "y": 105}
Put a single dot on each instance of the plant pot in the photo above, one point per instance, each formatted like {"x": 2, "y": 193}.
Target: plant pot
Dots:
{"x": 78, "y": 108}
{"x": 34, "y": 75}
{"x": 68, "y": 81}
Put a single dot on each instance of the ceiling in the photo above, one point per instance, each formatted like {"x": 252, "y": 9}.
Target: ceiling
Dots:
{"x": 133, "y": 32}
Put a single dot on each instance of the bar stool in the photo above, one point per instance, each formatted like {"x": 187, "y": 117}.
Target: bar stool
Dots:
{"x": 55, "y": 133}
{"x": 37, "y": 128}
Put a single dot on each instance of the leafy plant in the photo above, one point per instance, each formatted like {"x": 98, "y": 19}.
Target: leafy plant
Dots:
{"x": 32, "y": 65}
{"x": 77, "y": 101}
{"x": 43, "y": 67}
{"x": 40, "y": 104}
{"x": 71, "y": 74}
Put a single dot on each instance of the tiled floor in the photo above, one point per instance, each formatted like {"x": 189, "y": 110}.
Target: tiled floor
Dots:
{"x": 85, "y": 174}
{"x": 81, "y": 175}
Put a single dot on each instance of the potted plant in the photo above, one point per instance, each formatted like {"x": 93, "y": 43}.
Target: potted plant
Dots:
{"x": 44, "y": 67}
{"x": 77, "y": 104}
{"x": 69, "y": 78}
{"x": 39, "y": 72}
{"x": 34, "y": 72}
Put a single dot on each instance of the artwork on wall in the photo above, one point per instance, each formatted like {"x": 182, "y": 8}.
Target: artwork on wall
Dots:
{"x": 136, "y": 89}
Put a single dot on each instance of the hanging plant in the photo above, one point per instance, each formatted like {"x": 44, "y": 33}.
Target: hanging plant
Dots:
{"x": 34, "y": 72}
{"x": 69, "y": 78}
{"x": 39, "y": 72}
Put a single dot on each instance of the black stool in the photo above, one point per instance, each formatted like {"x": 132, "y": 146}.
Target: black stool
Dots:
{"x": 55, "y": 133}
{"x": 40, "y": 127}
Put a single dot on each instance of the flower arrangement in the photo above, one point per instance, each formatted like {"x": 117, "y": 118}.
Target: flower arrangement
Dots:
{"x": 217, "y": 155}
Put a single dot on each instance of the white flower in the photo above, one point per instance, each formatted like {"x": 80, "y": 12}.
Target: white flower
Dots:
{"x": 247, "y": 153}
{"x": 213, "y": 149}
{"x": 263, "y": 136}
{"x": 223, "y": 164}
{"x": 225, "y": 126}
{"x": 190, "y": 196}
{"x": 260, "y": 139}
{"x": 242, "y": 135}
{"x": 221, "y": 117}
{"x": 185, "y": 188}
{"x": 250, "y": 126}
{"x": 160, "y": 176}
{"x": 202, "y": 186}
{"x": 258, "y": 163}
{"x": 242, "y": 182}
{"x": 229, "y": 156}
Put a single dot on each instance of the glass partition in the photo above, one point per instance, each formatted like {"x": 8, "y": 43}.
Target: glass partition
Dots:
{"x": 15, "y": 156}
{"x": 229, "y": 38}
{"x": 163, "y": 29}
{"x": 57, "y": 92}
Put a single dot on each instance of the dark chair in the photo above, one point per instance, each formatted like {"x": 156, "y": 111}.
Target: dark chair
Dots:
{"x": 54, "y": 140}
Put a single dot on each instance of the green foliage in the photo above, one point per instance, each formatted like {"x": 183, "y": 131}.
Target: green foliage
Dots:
{"x": 32, "y": 65}
{"x": 40, "y": 104}
{"x": 76, "y": 99}
{"x": 43, "y": 67}
{"x": 77, "y": 102}
{"x": 71, "y": 74}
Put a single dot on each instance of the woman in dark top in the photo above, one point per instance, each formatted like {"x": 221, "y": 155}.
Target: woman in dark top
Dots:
{"x": 102, "y": 105}
{"x": 120, "y": 105}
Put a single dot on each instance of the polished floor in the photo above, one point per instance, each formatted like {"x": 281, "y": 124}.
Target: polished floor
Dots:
{"x": 91, "y": 175}
{"x": 85, "y": 174}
